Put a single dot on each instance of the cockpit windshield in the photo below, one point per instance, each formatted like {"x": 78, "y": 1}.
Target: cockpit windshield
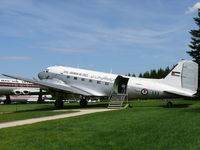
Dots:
{"x": 47, "y": 70}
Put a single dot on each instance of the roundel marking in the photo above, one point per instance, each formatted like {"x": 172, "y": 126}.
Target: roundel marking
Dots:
{"x": 144, "y": 91}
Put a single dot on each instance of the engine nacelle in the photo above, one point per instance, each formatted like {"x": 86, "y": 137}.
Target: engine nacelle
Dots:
{"x": 17, "y": 92}
{"x": 21, "y": 92}
{"x": 26, "y": 92}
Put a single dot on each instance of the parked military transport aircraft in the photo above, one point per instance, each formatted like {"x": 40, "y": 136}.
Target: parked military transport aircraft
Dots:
{"x": 182, "y": 81}
{"x": 17, "y": 87}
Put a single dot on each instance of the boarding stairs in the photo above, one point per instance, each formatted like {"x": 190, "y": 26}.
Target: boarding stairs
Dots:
{"x": 118, "y": 95}
{"x": 117, "y": 100}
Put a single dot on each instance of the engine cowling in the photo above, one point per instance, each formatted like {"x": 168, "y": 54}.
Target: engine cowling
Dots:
{"x": 17, "y": 92}
{"x": 26, "y": 92}
{"x": 21, "y": 92}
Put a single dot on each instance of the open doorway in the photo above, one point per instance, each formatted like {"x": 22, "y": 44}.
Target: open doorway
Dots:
{"x": 120, "y": 85}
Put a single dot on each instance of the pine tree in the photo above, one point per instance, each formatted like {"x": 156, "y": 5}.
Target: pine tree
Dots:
{"x": 133, "y": 75}
{"x": 195, "y": 42}
{"x": 153, "y": 74}
{"x": 146, "y": 74}
{"x": 140, "y": 75}
{"x": 160, "y": 73}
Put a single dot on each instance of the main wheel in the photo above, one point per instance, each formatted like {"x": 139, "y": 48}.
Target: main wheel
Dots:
{"x": 169, "y": 104}
{"x": 83, "y": 102}
{"x": 7, "y": 101}
{"x": 59, "y": 103}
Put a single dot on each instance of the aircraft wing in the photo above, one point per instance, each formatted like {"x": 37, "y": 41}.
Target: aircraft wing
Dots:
{"x": 181, "y": 93}
{"x": 54, "y": 87}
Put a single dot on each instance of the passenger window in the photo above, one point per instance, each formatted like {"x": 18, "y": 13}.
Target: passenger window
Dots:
{"x": 90, "y": 80}
{"x": 75, "y": 78}
{"x": 106, "y": 83}
{"x": 82, "y": 79}
{"x": 98, "y": 82}
{"x": 68, "y": 77}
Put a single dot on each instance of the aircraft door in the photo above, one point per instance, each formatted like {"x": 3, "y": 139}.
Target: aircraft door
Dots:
{"x": 120, "y": 85}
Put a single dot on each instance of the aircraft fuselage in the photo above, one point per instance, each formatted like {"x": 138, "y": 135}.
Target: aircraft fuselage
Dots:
{"x": 102, "y": 83}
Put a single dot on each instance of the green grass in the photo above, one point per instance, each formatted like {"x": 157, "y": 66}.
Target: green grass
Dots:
{"x": 26, "y": 111}
{"x": 25, "y": 107}
{"x": 46, "y": 106}
{"x": 148, "y": 125}
{"x": 27, "y": 115}
{"x": 15, "y": 112}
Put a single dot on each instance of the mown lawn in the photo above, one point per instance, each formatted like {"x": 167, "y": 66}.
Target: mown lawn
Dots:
{"x": 47, "y": 106}
{"x": 148, "y": 125}
{"x": 28, "y": 115}
{"x": 26, "y": 111}
{"x": 25, "y": 107}
{"x": 15, "y": 112}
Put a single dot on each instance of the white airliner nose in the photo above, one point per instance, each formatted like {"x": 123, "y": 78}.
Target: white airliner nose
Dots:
{"x": 41, "y": 75}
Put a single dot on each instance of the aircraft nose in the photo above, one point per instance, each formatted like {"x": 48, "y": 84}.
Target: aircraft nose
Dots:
{"x": 41, "y": 75}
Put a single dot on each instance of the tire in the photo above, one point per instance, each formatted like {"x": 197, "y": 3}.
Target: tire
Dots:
{"x": 59, "y": 104}
{"x": 83, "y": 102}
{"x": 7, "y": 102}
{"x": 169, "y": 104}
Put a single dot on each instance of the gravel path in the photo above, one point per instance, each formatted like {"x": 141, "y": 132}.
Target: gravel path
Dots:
{"x": 35, "y": 120}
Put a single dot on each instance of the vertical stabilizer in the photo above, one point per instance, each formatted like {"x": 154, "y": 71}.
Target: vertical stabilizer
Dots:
{"x": 184, "y": 75}
{"x": 190, "y": 76}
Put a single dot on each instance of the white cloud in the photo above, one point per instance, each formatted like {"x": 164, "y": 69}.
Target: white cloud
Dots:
{"x": 194, "y": 8}
{"x": 14, "y": 58}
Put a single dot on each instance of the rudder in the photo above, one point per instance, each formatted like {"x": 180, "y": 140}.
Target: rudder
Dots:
{"x": 190, "y": 75}
{"x": 184, "y": 75}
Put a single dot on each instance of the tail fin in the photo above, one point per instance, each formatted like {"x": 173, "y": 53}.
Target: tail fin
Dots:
{"x": 184, "y": 75}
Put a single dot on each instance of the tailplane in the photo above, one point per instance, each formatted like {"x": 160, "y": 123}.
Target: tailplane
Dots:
{"x": 183, "y": 76}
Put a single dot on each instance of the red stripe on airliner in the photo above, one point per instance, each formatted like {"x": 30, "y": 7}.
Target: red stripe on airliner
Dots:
{"x": 18, "y": 85}
{"x": 23, "y": 96}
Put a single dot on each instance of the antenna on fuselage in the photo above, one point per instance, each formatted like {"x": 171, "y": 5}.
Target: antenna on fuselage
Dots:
{"x": 110, "y": 70}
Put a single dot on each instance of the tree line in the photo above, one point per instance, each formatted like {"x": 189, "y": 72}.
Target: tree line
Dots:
{"x": 153, "y": 73}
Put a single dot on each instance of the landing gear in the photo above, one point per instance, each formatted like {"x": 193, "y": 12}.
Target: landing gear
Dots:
{"x": 40, "y": 100}
{"x": 169, "y": 104}
{"x": 59, "y": 103}
{"x": 7, "y": 101}
{"x": 83, "y": 102}
{"x": 59, "y": 99}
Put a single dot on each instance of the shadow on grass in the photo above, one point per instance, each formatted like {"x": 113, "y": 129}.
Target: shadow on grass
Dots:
{"x": 138, "y": 106}
{"x": 66, "y": 106}
{"x": 178, "y": 106}
{"x": 39, "y": 109}
{"x": 103, "y": 105}
{"x": 194, "y": 110}
{"x": 163, "y": 105}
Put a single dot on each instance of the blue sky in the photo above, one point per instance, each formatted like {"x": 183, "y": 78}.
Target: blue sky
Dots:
{"x": 125, "y": 36}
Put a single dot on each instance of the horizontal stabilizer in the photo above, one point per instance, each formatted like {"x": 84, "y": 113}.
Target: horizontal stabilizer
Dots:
{"x": 181, "y": 93}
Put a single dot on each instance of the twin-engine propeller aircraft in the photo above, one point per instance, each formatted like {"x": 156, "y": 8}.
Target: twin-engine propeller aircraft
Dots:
{"x": 60, "y": 81}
